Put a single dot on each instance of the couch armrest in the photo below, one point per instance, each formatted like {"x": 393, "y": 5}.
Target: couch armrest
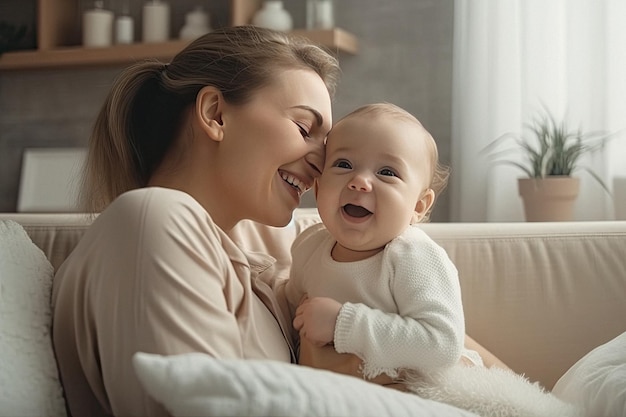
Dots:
{"x": 540, "y": 295}
{"x": 55, "y": 234}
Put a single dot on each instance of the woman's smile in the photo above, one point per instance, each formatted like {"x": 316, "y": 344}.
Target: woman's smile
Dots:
{"x": 294, "y": 182}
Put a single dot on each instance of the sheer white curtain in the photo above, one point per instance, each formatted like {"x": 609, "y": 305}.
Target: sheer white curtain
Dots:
{"x": 511, "y": 57}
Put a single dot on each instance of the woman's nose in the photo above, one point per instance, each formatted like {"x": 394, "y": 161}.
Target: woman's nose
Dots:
{"x": 360, "y": 182}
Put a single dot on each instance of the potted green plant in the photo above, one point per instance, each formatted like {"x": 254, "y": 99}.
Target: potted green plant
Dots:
{"x": 552, "y": 153}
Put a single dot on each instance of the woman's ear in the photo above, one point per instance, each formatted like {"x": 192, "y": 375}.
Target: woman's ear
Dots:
{"x": 209, "y": 105}
{"x": 423, "y": 205}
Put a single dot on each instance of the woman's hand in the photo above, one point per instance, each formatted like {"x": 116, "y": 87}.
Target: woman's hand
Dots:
{"x": 315, "y": 319}
{"x": 326, "y": 357}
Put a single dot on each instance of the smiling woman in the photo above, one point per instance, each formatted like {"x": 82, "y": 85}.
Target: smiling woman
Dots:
{"x": 180, "y": 153}
{"x": 260, "y": 154}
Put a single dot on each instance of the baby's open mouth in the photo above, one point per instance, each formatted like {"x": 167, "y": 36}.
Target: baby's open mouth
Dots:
{"x": 356, "y": 211}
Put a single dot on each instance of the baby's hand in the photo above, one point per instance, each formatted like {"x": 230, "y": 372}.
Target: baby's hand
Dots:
{"x": 315, "y": 319}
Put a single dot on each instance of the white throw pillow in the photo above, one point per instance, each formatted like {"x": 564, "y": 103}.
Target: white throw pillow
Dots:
{"x": 29, "y": 380}
{"x": 196, "y": 384}
{"x": 597, "y": 382}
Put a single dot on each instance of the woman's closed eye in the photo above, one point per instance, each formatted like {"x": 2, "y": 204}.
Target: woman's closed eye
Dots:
{"x": 303, "y": 131}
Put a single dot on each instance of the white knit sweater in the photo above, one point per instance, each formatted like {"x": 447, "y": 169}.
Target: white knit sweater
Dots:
{"x": 402, "y": 308}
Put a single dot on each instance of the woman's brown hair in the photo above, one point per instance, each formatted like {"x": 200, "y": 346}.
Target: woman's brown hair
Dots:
{"x": 144, "y": 108}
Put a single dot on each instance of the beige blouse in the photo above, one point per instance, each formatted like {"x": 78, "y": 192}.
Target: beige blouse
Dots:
{"x": 155, "y": 274}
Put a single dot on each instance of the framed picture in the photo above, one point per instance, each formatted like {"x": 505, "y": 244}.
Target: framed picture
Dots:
{"x": 50, "y": 179}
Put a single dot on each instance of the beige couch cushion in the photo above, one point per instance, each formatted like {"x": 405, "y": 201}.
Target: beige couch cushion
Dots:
{"x": 538, "y": 295}
{"x": 55, "y": 234}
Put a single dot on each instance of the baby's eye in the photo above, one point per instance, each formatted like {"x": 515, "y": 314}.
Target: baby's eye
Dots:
{"x": 342, "y": 163}
{"x": 387, "y": 172}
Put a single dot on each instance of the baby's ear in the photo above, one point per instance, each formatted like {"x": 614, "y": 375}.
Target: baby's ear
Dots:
{"x": 423, "y": 206}
{"x": 209, "y": 103}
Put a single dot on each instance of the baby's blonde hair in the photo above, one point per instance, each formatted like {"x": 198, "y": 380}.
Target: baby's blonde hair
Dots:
{"x": 439, "y": 173}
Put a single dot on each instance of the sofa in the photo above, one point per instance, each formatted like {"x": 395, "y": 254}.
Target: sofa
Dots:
{"x": 540, "y": 296}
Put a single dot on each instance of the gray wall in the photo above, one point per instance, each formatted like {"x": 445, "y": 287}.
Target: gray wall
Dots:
{"x": 405, "y": 57}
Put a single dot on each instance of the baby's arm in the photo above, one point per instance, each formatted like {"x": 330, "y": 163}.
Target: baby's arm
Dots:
{"x": 428, "y": 330}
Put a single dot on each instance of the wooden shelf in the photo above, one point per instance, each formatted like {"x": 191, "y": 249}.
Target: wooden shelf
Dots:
{"x": 337, "y": 40}
{"x": 79, "y": 56}
{"x": 56, "y": 31}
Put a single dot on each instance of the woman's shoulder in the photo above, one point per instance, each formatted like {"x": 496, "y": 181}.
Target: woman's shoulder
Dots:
{"x": 154, "y": 198}
{"x": 156, "y": 209}
{"x": 156, "y": 201}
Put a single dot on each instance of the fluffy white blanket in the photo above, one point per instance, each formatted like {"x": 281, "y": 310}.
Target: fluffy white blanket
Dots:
{"x": 492, "y": 392}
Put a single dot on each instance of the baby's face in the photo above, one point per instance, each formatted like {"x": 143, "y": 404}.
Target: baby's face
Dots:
{"x": 375, "y": 172}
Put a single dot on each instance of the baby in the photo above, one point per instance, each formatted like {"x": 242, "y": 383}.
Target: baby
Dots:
{"x": 375, "y": 284}
{"x": 371, "y": 282}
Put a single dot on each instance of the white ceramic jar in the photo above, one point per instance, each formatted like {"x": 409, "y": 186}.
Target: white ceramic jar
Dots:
{"x": 196, "y": 24}
{"x": 97, "y": 26}
{"x": 155, "y": 21}
{"x": 273, "y": 15}
{"x": 124, "y": 29}
{"x": 320, "y": 14}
